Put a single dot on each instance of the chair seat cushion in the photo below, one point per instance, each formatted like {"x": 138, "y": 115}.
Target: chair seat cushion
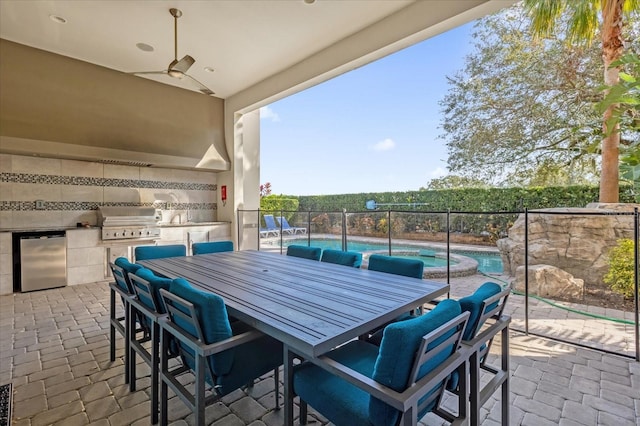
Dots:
{"x": 400, "y": 342}
{"x": 250, "y": 360}
{"x": 339, "y": 401}
{"x": 454, "y": 379}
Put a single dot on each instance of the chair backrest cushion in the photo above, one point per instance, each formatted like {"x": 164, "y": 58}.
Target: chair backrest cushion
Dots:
{"x": 396, "y": 265}
{"x": 128, "y": 268}
{"x": 312, "y": 253}
{"x": 212, "y": 247}
{"x": 347, "y": 258}
{"x": 213, "y": 321}
{"x": 159, "y": 252}
{"x": 156, "y": 283}
{"x": 400, "y": 342}
{"x": 473, "y": 304}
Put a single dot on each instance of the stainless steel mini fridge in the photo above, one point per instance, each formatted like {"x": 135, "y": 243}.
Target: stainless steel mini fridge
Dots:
{"x": 43, "y": 261}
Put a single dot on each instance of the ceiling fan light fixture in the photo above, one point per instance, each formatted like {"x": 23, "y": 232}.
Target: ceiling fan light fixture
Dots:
{"x": 58, "y": 19}
{"x": 176, "y": 74}
{"x": 145, "y": 47}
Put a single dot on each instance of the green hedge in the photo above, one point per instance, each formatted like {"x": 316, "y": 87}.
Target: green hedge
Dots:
{"x": 507, "y": 201}
{"x": 276, "y": 204}
{"x": 471, "y": 199}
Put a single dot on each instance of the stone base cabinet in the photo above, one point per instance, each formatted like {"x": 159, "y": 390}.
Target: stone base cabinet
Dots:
{"x": 6, "y": 264}
{"x": 87, "y": 254}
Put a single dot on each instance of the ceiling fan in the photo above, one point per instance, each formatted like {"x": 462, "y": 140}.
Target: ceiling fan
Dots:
{"x": 178, "y": 68}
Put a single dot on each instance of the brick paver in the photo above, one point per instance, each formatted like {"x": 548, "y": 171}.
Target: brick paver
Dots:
{"x": 54, "y": 347}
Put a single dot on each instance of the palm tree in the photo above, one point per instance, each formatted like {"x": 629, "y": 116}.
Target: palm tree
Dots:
{"x": 583, "y": 26}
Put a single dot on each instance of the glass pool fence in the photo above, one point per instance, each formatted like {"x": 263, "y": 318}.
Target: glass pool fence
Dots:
{"x": 561, "y": 249}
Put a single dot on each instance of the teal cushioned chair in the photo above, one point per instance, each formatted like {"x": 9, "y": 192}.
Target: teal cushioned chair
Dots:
{"x": 305, "y": 252}
{"x": 226, "y": 355}
{"x": 396, "y": 265}
{"x": 346, "y": 258}
{"x": 159, "y": 252}
{"x": 486, "y": 303}
{"x": 148, "y": 305}
{"x": 212, "y": 247}
{"x": 412, "y": 268}
{"x": 415, "y": 359}
{"x": 120, "y": 269}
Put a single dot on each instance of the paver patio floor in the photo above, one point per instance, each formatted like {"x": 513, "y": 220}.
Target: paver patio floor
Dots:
{"x": 54, "y": 348}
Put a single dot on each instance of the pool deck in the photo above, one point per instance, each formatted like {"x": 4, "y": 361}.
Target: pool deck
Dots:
{"x": 54, "y": 348}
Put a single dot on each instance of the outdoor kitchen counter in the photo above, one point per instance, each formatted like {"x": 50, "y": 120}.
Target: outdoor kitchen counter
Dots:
{"x": 190, "y": 224}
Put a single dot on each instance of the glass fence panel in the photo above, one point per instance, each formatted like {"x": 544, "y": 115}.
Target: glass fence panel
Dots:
{"x": 572, "y": 261}
{"x": 367, "y": 233}
{"x": 571, "y": 294}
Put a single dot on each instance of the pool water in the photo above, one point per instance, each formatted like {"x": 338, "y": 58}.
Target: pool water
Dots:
{"x": 489, "y": 263}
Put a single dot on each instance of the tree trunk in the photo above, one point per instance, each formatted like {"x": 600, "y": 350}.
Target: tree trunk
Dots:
{"x": 612, "y": 48}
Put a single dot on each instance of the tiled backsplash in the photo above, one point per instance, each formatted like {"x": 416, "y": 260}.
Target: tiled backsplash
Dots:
{"x": 71, "y": 191}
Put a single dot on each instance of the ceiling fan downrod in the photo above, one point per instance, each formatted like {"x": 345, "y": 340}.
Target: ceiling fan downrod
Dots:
{"x": 176, "y": 13}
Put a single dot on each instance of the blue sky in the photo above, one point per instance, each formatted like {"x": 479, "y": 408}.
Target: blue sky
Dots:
{"x": 373, "y": 129}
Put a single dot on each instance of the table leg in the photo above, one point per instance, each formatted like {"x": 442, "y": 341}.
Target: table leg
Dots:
{"x": 505, "y": 368}
{"x": 288, "y": 386}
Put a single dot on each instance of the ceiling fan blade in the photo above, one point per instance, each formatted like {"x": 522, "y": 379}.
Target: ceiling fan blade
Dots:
{"x": 204, "y": 89}
{"x": 182, "y": 65}
{"x": 147, "y": 72}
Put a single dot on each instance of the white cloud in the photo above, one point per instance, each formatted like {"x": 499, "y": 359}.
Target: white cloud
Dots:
{"x": 267, "y": 113}
{"x": 384, "y": 145}
{"x": 438, "y": 173}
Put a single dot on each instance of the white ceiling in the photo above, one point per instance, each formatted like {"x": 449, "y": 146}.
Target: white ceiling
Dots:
{"x": 244, "y": 41}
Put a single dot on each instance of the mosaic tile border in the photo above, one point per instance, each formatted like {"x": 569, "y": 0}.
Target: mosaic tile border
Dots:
{"x": 82, "y": 205}
{"x": 93, "y": 181}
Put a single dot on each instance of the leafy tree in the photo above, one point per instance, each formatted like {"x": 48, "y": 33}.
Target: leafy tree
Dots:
{"x": 521, "y": 111}
{"x": 625, "y": 96}
{"x": 583, "y": 27}
{"x": 453, "y": 182}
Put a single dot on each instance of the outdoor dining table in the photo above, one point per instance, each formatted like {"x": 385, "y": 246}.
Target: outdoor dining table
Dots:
{"x": 310, "y": 306}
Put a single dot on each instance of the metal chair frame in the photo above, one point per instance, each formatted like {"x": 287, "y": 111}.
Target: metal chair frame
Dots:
{"x": 198, "y": 400}
{"x": 408, "y": 401}
{"x": 136, "y": 345}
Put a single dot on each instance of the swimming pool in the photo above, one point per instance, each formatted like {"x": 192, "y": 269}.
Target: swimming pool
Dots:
{"x": 489, "y": 263}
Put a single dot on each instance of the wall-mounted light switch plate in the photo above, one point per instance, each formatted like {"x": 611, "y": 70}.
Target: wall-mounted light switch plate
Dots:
{"x": 39, "y": 204}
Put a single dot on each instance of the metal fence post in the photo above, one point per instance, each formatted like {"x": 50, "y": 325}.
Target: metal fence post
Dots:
{"x": 389, "y": 229}
{"x": 448, "y": 249}
{"x": 636, "y": 234}
{"x": 526, "y": 271}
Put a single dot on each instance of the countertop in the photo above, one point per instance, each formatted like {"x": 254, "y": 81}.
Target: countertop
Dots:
{"x": 72, "y": 228}
{"x": 48, "y": 228}
{"x": 175, "y": 225}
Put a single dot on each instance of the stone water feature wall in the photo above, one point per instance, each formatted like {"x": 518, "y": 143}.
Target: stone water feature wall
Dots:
{"x": 573, "y": 243}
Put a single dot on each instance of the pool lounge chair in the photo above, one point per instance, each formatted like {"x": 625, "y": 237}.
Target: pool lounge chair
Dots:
{"x": 290, "y": 229}
{"x": 271, "y": 229}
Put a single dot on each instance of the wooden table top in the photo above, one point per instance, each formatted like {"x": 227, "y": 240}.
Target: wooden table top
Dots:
{"x": 309, "y": 305}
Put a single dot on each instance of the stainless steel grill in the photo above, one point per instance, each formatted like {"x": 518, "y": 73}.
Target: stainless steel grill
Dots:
{"x": 128, "y": 223}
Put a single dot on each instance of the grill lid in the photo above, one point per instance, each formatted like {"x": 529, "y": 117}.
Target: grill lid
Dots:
{"x": 118, "y": 216}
